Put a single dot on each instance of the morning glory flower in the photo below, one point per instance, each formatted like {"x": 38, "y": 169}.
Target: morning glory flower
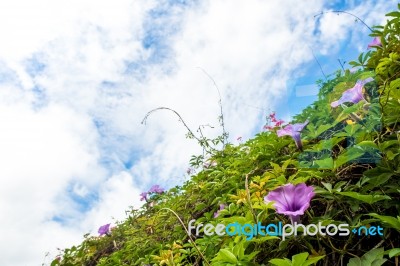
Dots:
{"x": 291, "y": 200}
{"x": 143, "y": 196}
{"x": 104, "y": 229}
{"x": 353, "y": 95}
{"x": 375, "y": 42}
{"x": 221, "y": 207}
{"x": 272, "y": 117}
{"x": 156, "y": 189}
{"x": 293, "y": 131}
{"x": 279, "y": 123}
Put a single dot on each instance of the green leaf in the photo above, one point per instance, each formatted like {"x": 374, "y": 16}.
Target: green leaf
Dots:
{"x": 281, "y": 262}
{"x": 393, "y": 14}
{"x": 312, "y": 260}
{"x": 238, "y": 250}
{"x": 394, "y": 252}
{"x": 383, "y": 146}
{"x": 376, "y": 177}
{"x": 326, "y": 163}
{"x": 321, "y": 129}
{"x": 372, "y": 255}
{"x": 365, "y": 75}
{"x": 378, "y": 262}
{"x": 365, "y": 198}
{"x": 227, "y": 256}
{"x": 368, "y": 144}
{"x": 349, "y": 155}
{"x": 389, "y": 220}
{"x": 299, "y": 259}
{"x": 328, "y": 186}
{"x": 355, "y": 262}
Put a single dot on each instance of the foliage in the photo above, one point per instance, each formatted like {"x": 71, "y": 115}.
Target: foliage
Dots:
{"x": 350, "y": 156}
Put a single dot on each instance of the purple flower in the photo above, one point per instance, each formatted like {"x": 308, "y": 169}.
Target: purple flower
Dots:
{"x": 293, "y": 131}
{"x": 156, "y": 189}
{"x": 354, "y": 94}
{"x": 375, "y": 42}
{"x": 143, "y": 196}
{"x": 221, "y": 207}
{"x": 291, "y": 200}
{"x": 104, "y": 229}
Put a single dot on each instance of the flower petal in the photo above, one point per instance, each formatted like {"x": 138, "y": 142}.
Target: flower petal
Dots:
{"x": 353, "y": 95}
{"x": 291, "y": 200}
{"x": 375, "y": 42}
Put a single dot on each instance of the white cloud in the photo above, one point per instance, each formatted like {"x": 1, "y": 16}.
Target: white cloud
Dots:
{"x": 334, "y": 27}
{"x": 41, "y": 154}
{"x": 71, "y": 108}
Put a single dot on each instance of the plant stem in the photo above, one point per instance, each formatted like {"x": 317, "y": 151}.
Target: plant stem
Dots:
{"x": 188, "y": 234}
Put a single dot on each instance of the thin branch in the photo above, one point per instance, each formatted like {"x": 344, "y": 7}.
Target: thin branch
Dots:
{"x": 249, "y": 198}
{"x": 172, "y": 110}
{"x": 342, "y": 65}
{"x": 316, "y": 59}
{"x": 224, "y": 134}
{"x": 345, "y": 12}
{"x": 188, "y": 234}
{"x": 181, "y": 120}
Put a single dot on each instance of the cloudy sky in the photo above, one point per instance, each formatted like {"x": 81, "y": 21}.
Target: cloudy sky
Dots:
{"x": 77, "y": 77}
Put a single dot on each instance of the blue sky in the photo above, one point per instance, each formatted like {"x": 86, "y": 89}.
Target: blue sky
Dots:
{"x": 78, "y": 77}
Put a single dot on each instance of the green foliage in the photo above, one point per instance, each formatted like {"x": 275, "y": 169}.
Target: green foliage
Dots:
{"x": 350, "y": 155}
{"x": 374, "y": 257}
{"x": 302, "y": 259}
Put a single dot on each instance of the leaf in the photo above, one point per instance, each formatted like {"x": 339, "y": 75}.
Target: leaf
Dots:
{"x": 328, "y": 186}
{"x": 238, "y": 250}
{"x": 348, "y": 110}
{"x": 378, "y": 262}
{"x": 395, "y": 88}
{"x": 354, "y": 262}
{"x": 368, "y": 144}
{"x": 376, "y": 177}
{"x": 227, "y": 256}
{"x": 312, "y": 260}
{"x": 321, "y": 129}
{"x": 349, "y": 155}
{"x": 372, "y": 255}
{"x": 393, "y": 14}
{"x": 365, "y": 75}
{"x": 326, "y": 163}
{"x": 280, "y": 262}
{"x": 383, "y": 146}
{"x": 390, "y": 220}
{"x": 365, "y": 198}
{"x": 394, "y": 252}
{"x": 299, "y": 259}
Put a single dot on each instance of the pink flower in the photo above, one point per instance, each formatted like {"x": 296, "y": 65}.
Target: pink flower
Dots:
{"x": 353, "y": 95}
{"x": 156, "y": 189}
{"x": 189, "y": 171}
{"x": 272, "y": 115}
{"x": 268, "y": 128}
{"x": 291, "y": 200}
{"x": 279, "y": 123}
{"x": 375, "y": 43}
{"x": 143, "y": 196}
{"x": 293, "y": 131}
{"x": 221, "y": 207}
{"x": 104, "y": 229}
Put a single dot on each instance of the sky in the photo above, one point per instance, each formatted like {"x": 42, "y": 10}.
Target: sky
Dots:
{"x": 77, "y": 77}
